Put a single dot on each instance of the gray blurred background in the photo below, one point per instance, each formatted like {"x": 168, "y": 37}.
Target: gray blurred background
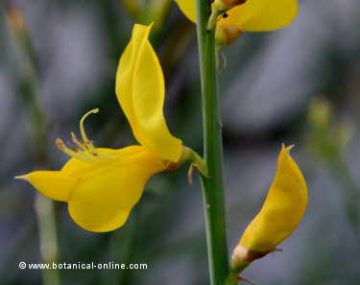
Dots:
{"x": 300, "y": 85}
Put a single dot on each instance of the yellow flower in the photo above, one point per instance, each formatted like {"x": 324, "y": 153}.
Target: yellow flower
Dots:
{"x": 101, "y": 186}
{"x": 251, "y": 15}
{"x": 140, "y": 90}
{"x": 280, "y": 215}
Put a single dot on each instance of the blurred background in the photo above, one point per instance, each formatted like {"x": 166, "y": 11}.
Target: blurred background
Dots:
{"x": 300, "y": 86}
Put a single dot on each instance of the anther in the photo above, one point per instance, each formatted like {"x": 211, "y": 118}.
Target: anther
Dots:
{"x": 60, "y": 144}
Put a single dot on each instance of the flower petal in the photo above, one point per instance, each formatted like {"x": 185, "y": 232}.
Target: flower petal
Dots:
{"x": 188, "y": 7}
{"x": 283, "y": 208}
{"x": 243, "y": 13}
{"x": 57, "y": 185}
{"x": 103, "y": 199}
{"x": 270, "y": 15}
{"x": 141, "y": 93}
{"x": 77, "y": 167}
{"x": 53, "y": 184}
{"x": 253, "y": 15}
{"x": 275, "y": 15}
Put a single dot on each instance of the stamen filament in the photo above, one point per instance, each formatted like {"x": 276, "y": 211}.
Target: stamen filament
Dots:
{"x": 76, "y": 141}
{"x": 80, "y": 155}
{"x": 83, "y": 145}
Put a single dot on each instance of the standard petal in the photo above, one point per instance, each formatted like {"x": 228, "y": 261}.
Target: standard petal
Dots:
{"x": 283, "y": 208}
{"x": 53, "y": 184}
{"x": 103, "y": 199}
{"x": 265, "y": 15}
{"x": 141, "y": 92}
{"x": 188, "y": 7}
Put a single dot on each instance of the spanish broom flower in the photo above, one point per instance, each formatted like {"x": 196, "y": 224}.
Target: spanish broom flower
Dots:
{"x": 101, "y": 185}
{"x": 281, "y": 213}
{"x": 236, "y": 16}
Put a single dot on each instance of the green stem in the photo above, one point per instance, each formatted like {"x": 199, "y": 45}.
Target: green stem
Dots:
{"x": 44, "y": 208}
{"x": 48, "y": 240}
{"x": 213, "y": 189}
{"x": 234, "y": 273}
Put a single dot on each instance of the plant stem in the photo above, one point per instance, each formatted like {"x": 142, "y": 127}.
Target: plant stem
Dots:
{"x": 44, "y": 208}
{"x": 213, "y": 189}
{"x": 48, "y": 240}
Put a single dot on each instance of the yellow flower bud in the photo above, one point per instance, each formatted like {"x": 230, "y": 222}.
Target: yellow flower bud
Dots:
{"x": 279, "y": 216}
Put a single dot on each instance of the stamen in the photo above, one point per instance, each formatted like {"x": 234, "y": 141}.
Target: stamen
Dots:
{"x": 80, "y": 155}
{"x": 84, "y": 136}
{"x": 75, "y": 140}
{"x": 84, "y": 150}
{"x": 82, "y": 145}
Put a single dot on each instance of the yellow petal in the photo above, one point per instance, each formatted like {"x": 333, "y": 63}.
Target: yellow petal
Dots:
{"x": 236, "y": 16}
{"x": 188, "y": 7}
{"x": 103, "y": 198}
{"x": 141, "y": 92}
{"x": 77, "y": 167}
{"x": 241, "y": 14}
{"x": 57, "y": 185}
{"x": 283, "y": 208}
{"x": 52, "y": 184}
{"x": 253, "y": 15}
{"x": 273, "y": 15}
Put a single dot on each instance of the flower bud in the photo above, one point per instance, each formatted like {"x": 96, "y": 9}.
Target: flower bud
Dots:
{"x": 280, "y": 215}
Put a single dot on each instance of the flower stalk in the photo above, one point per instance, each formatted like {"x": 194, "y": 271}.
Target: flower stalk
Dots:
{"x": 213, "y": 189}
{"x": 44, "y": 208}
